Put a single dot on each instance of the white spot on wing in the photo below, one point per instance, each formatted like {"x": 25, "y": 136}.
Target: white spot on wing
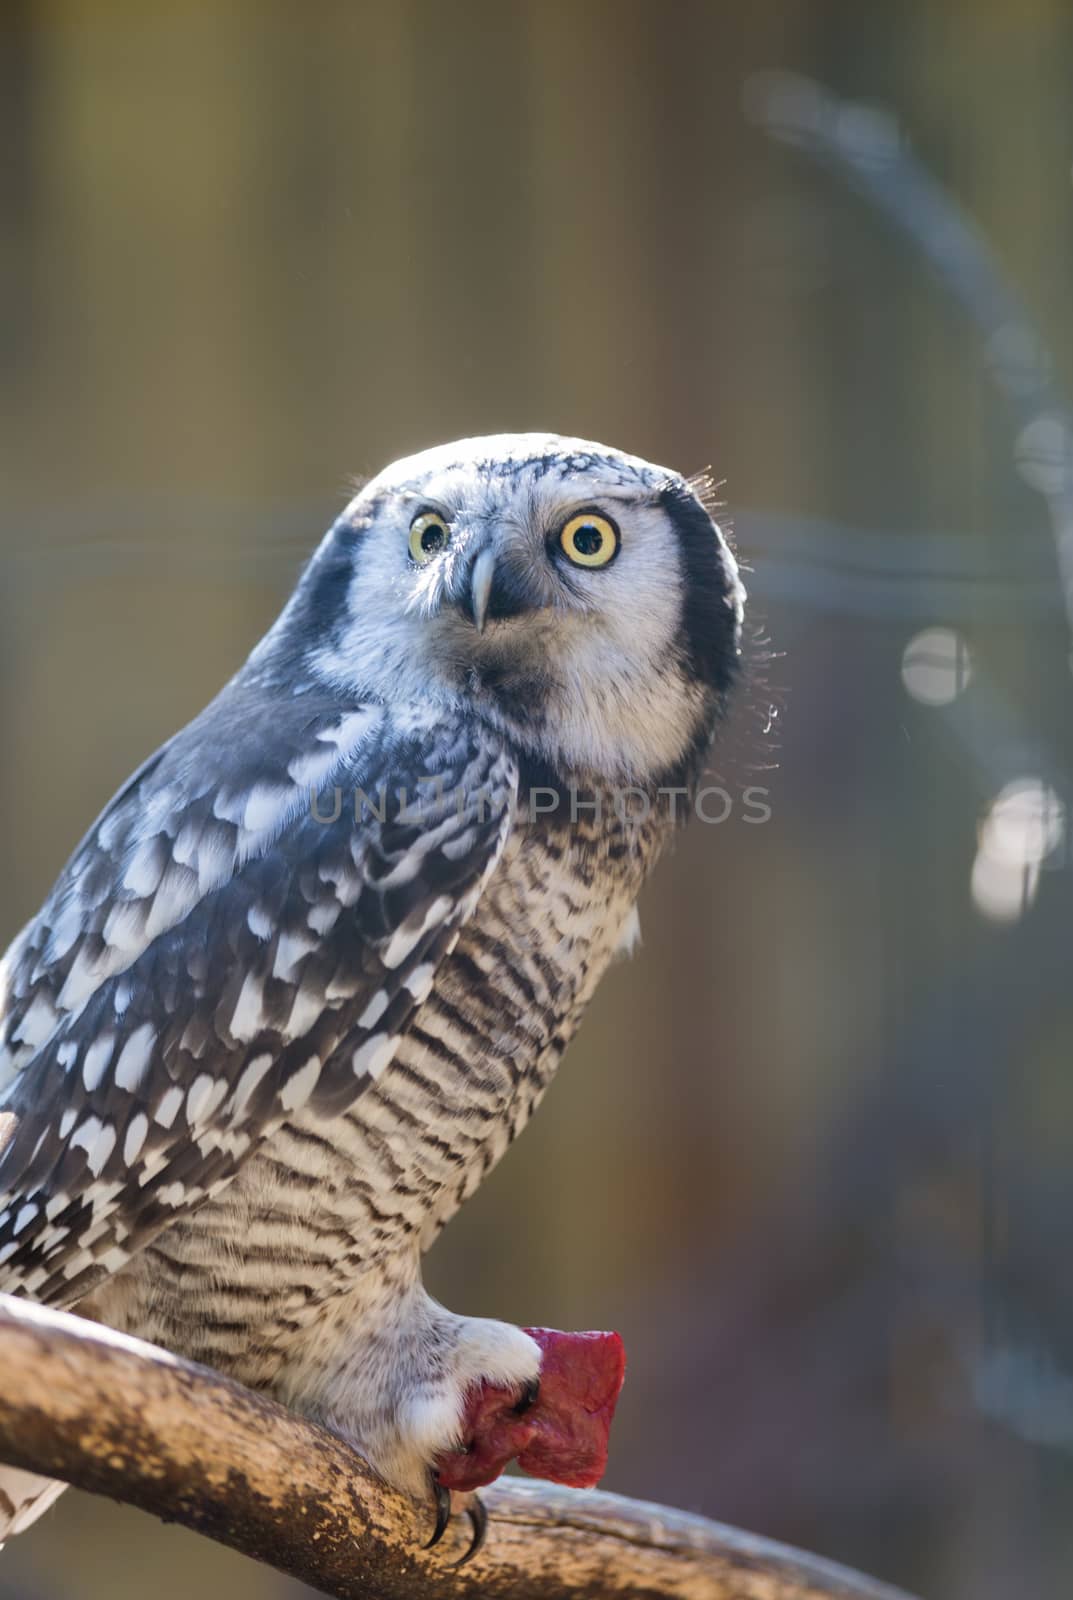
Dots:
{"x": 125, "y": 931}
{"x": 136, "y": 1132}
{"x": 410, "y": 933}
{"x": 178, "y": 893}
{"x": 266, "y": 808}
{"x": 77, "y": 1264}
{"x": 134, "y": 1058}
{"x": 203, "y": 1096}
{"x": 307, "y": 1008}
{"x": 297, "y": 1090}
{"x": 81, "y": 981}
{"x": 419, "y": 981}
{"x": 290, "y": 950}
{"x": 37, "y": 1023}
{"x": 248, "y": 1017}
{"x": 168, "y": 1108}
{"x": 97, "y": 1139}
{"x": 248, "y": 1082}
{"x": 374, "y": 1010}
{"x": 323, "y": 917}
{"x": 374, "y": 1055}
{"x": 145, "y": 869}
{"x": 96, "y": 1060}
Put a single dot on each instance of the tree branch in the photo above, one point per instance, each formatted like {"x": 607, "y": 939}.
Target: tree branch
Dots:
{"x": 123, "y": 1418}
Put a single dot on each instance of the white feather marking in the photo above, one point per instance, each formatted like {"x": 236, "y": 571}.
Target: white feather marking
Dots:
{"x": 37, "y": 1023}
{"x": 77, "y": 1264}
{"x": 373, "y": 1056}
{"x": 259, "y": 922}
{"x": 251, "y": 1077}
{"x": 184, "y": 845}
{"x": 97, "y": 1139}
{"x": 215, "y": 859}
{"x": 404, "y": 939}
{"x": 67, "y": 1121}
{"x": 172, "y": 1194}
{"x": 168, "y": 1109}
{"x": 67, "y": 1052}
{"x": 56, "y": 1203}
{"x": 323, "y": 917}
{"x": 201, "y": 1095}
{"x": 145, "y": 869}
{"x": 134, "y": 1058}
{"x": 297, "y": 1090}
{"x": 291, "y": 948}
{"x": 310, "y": 769}
{"x": 419, "y": 981}
{"x": 96, "y": 1060}
{"x": 351, "y": 731}
{"x": 374, "y": 1010}
{"x": 115, "y": 1258}
{"x": 307, "y": 1008}
{"x": 125, "y": 930}
{"x": 137, "y": 1129}
{"x": 248, "y": 1018}
{"x": 81, "y": 981}
{"x": 151, "y": 1166}
{"x": 266, "y": 807}
{"x": 178, "y": 893}
{"x": 24, "y": 1218}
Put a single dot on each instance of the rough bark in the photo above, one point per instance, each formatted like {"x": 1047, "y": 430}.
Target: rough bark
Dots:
{"x": 123, "y": 1418}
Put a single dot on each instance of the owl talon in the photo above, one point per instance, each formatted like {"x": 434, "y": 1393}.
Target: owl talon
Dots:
{"x": 443, "y": 1512}
{"x": 478, "y": 1515}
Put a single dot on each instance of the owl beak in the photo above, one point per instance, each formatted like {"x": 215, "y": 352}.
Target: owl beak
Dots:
{"x": 480, "y": 587}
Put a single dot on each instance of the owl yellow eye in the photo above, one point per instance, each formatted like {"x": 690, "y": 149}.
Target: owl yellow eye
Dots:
{"x": 589, "y": 540}
{"x": 428, "y": 536}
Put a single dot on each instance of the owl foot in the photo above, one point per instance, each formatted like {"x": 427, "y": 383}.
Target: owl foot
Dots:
{"x": 556, "y": 1428}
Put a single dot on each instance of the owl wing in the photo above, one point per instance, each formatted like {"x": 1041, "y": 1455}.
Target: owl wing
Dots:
{"x": 239, "y": 935}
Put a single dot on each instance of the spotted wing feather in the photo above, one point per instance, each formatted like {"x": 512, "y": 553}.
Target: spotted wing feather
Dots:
{"x": 219, "y": 953}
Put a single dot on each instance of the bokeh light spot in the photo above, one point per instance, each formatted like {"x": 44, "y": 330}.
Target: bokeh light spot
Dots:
{"x": 936, "y": 666}
{"x": 1025, "y": 825}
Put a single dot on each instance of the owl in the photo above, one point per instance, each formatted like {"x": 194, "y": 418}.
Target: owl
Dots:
{"x": 315, "y": 964}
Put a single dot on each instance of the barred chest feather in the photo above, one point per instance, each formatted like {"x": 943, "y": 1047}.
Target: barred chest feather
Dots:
{"x": 331, "y": 1215}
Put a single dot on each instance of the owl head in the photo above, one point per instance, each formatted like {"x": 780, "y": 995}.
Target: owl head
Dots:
{"x": 581, "y": 599}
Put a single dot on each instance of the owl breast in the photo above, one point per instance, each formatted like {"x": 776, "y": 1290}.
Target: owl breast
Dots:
{"x": 326, "y": 1207}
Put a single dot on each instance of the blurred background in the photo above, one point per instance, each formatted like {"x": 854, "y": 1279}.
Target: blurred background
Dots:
{"x": 813, "y": 1151}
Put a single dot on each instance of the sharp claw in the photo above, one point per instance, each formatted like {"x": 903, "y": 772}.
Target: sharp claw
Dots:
{"x": 530, "y": 1396}
{"x": 443, "y": 1512}
{"x": 478, "y": 1515}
